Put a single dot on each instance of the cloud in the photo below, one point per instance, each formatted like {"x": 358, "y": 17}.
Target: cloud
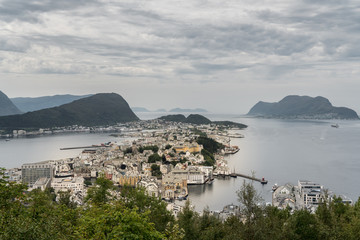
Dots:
{"x": 177, "y": 42}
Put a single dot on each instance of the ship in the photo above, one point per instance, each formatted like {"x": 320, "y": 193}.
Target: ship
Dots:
{"x": 335, "y": 125}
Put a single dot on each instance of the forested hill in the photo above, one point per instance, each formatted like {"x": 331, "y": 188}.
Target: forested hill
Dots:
{"x": 96, "y": 110}
{"x": 199, "y": 119}
{"x": 302, "y": 107}
{"x": 6, "y": 106}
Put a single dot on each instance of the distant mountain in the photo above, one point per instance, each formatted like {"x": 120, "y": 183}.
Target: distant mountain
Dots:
{"x": 27, "y": 104}
{"x": 182, "y": 110}
{"x": 7, "y": 107}
{"x": 96, "y": 110}
{"x": 302, "y": 107}
{"x": 199, "y": 119}
{"x": 160, "y": 110}
{"x": 139, "y": 109}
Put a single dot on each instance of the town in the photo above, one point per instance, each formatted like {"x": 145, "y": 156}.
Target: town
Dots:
{"x": 161, "y": 156}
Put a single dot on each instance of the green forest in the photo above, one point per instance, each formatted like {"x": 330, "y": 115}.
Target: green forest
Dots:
{"x": 129, "y": 213}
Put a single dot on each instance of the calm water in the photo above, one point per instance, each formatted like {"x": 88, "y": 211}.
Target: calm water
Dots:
{"x": 280, "y": 150}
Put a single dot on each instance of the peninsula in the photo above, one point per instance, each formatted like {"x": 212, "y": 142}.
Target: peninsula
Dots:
{"x": 97, "y": 110}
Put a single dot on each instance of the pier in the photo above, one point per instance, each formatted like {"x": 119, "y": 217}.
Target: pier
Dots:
{"x": 93, "y": 146}
{"x": 262, "y": 180}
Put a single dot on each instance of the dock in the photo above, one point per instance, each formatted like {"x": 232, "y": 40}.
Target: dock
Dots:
{"x": 93, "y": 146}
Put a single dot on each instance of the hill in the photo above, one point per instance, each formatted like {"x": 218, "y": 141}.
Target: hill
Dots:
{"x": 96, "y": 110}
{"x": 27, "y": 104}
{"x": 302, "y": 107}
{"x": 182, "y": 110}
{"x": 7, "y": 107}
{"x": 199, "y": 119}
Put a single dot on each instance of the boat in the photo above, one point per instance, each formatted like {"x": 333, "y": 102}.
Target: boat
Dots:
{"x": 274, "y": 187}
{"x": 335, "y": 125}
{"x": 263, "y": 181}
{"x": 7, "y": 140}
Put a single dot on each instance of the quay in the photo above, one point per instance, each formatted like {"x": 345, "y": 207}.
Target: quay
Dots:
{"x": 93, "y": 146}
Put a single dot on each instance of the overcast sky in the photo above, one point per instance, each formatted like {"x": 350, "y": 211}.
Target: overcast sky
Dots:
{"x": 220, "y": 55}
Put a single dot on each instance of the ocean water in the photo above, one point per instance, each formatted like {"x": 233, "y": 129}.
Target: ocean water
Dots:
{"x": 282, "y": 151}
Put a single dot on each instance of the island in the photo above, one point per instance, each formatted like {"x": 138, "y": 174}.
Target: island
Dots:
{"x": 302, "y": 107}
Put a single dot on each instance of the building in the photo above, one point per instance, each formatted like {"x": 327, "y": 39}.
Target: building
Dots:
{"x": 42, "y": 184}
{"x": 150, "y": 185}
{"x": 310, "y": 192}
{"x": 31, "y": 172}
{"x": 188, "y": 147}
{"x": 174, "y": 185}
{"x": 74, "y": 184}
{"x": 125, "y": 180}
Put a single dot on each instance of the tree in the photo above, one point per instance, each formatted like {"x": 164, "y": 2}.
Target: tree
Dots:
{"x": 153, "y": 158}
{"x": 155, "y": 171}
{"x": 115, "y": 221}
{"x": 250, "y": 201}
{"x": 136, "y": 198}
{"x": 100, "y": 193}
{"x": 188, "y": 220}
{"x": 302, "y": 225}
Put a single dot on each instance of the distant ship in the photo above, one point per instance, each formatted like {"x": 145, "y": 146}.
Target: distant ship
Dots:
{"x": 335, "y": 125}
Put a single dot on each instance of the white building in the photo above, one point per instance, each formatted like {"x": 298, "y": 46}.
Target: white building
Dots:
{"x": 74, "y": 184}
{"x": 310, "y": 192}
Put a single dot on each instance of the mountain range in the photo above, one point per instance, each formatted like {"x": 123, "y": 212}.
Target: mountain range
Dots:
{"x": 302, "y": 107}
{"x": 7, "y": 107}
{"x": 28, "y": 104}
{"x": 174, "y": 110}
{"x": 96, "y": 110}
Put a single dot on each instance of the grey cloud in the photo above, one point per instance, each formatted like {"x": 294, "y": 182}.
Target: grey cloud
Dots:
{"x": 29, "y": 10}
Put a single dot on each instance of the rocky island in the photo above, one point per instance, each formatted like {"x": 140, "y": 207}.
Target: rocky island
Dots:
{"x": 302, "y": 107}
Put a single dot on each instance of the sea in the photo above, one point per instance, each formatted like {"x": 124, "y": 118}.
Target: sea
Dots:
{"x": 281, "y": 151}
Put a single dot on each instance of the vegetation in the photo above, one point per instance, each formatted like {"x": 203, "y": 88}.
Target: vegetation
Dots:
{"x": 100, "y": 109}
{"x": 153, "y": 158}
{"x": 153, "y": 148}
{"x": 133, "y": 214}
{"x": 155, "y": 171}
{"x": 209, "y": 144}
{"x": 200, "y": 119}
{"x": 230, "y": 124}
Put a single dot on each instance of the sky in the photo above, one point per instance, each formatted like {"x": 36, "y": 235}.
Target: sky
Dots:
{"x": 223, "y": 56}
